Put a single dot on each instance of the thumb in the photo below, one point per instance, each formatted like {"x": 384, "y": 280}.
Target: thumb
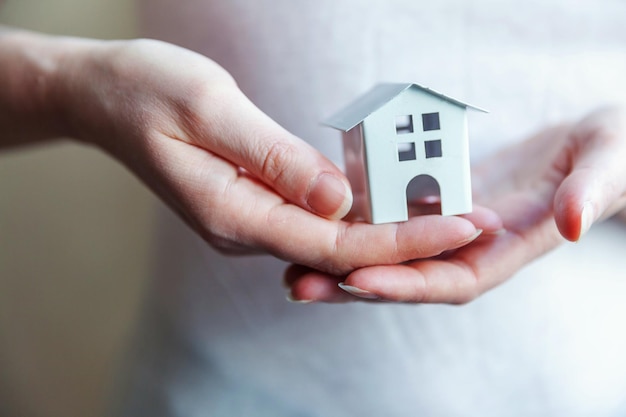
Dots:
{"x": 241, "y": 133}
{"x": 595, "y": 185}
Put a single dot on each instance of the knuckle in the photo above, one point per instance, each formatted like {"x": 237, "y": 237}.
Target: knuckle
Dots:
{"x": 342, "y": 260}
{"x": 278, "y": 158}
{"x": 329, "y": 259}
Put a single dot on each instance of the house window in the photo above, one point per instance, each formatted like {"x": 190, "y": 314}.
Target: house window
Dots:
{"x": 404, "y": 124}
{"x": 406, "y": 152}
{"x": 433, "y": 148}
{"x": 430, "y": 121}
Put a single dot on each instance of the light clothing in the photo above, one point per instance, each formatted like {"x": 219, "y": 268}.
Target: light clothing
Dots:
{"x": 219, "y": 337}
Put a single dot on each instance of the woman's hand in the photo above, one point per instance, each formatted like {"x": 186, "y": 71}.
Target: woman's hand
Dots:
{"x": 548, "y": 188}
{"x": 180, "y": 123}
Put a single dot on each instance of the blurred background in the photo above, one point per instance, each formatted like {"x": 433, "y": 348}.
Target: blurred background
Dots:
{"x": 74, "y": 241}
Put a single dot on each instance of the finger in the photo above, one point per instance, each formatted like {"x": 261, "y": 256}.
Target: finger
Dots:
{"x": 233, "y": 211}
{"x": 595, "y": 185}
{"x": 248, "y": 138}
{"x": 429, "y": 281}
{"x": 472, "y": 271}
{"x": 253, "y": 216}
{"x": 340, "y": 247}
{"x": 307, "y": 285}
{"x": 485, "y": 219}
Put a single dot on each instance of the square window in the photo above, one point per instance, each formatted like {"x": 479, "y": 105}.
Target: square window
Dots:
{"x": 404, "y": 124}
{"x": 433, "y": 148}
{"x": 430, "y": 121}
{"x": 406, "y": 152}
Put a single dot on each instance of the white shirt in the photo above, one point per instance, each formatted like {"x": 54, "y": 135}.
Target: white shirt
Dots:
{"x": 220, "y": 338}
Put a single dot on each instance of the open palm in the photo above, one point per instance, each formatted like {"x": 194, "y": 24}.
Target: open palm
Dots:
{"x": 548, "y": 188}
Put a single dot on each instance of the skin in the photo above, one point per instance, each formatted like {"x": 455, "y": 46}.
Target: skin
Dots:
{"x": 179, "y": 122}
{"x": 540, "y": 188}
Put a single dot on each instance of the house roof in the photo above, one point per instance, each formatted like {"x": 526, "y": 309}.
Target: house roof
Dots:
{"x": 381, "y": 94}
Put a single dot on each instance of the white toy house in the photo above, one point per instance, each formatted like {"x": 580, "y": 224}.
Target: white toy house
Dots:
{"x": 404, "y": 142}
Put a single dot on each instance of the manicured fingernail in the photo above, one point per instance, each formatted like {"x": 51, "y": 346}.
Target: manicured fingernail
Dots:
{"x": 290, "y": 298}
{"x": 475, "y": 235}
{"x": 357, "y": 292}
{"x": 329, "y": 196}
{"x": 586, "y": 218}
{"x": 498, "y": 232}
{"x": 471, "y": 238}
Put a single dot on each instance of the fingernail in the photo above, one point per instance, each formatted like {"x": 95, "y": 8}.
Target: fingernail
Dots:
{"x": 471, "y": 238}
{"x": 329, "y": 196}
{"x": 357, "y": 292}
{"x": 586, "y": 219}
{"x": 290, "y": 298}
{"x": 475, "y": 235}
{"x": 498, "y": 232}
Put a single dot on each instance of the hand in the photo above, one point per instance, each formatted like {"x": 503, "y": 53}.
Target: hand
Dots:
{"x": 549, "y": 188}
{"x": 246, "y": 185}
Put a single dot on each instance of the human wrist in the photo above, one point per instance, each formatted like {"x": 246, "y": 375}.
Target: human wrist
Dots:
{"x": 75, "y": 79}
{"x": 31, "y": 108}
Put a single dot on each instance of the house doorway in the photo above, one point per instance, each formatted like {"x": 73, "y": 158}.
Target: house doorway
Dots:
{"x": 423, "y": 196}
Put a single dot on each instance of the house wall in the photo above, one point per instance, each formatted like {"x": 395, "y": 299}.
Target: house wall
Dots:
{"x": 356, "y": 166}
{"x": 388, "y": 177}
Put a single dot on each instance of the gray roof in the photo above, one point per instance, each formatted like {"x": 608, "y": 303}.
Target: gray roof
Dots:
{"x": 381, "y": 94}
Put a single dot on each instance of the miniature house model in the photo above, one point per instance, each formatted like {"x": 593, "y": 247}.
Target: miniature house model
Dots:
{"x": 405, "y": 142}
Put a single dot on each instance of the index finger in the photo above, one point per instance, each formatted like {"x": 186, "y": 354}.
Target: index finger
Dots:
{"x": 339, "y": 247}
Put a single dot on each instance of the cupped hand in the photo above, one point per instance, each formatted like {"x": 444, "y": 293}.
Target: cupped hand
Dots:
{"x": 546, "y": 189}
{"x": 245, "y": 184}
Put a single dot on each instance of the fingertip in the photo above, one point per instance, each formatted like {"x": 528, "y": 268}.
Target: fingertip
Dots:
{"x": 574, "y": 211}
{"x": 568, "y": 223}
{"x": 567, "y": 208}
{"x": 469, "y": 232}
{"x": 573, "y": 223}
{"x": 358, "y": 292}
{"x": 486, "y": 219}
{"x": 290, "y": 298}
{"x": 430, "y": 235}
{"x": 306, "y": 285}
{"x": 472, "y": 237}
